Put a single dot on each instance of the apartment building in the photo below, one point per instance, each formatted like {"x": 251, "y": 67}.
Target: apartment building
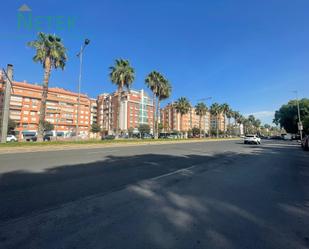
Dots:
{"x": 135, "y": 109}
{"x": 61, "y": 108}
{"x": 172, "y": 121}
{"x": 221, "y": 122}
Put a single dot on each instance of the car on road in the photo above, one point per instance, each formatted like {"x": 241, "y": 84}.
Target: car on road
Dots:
{"x": 11, "y": 138}
{"x": 252, "y": 139}
{"x": 108, "y": 137}
{"x": 305, "y": 143}
{"x": 147, "y": 136}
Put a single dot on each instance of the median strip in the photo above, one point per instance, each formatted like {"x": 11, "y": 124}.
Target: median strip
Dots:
{"x": 56, "y": 146}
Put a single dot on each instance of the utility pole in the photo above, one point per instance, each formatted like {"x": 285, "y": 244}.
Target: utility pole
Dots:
{"x": 6, "y": 103}
{"x": 80, "y": 55}
{"x": 299, "y": 125}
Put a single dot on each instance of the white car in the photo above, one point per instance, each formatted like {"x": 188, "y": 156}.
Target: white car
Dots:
{"x": 252, "y": 139}
{"x": 11, "y": 138}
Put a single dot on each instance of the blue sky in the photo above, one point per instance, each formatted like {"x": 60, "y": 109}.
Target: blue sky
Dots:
{"x": 250, "y": 54}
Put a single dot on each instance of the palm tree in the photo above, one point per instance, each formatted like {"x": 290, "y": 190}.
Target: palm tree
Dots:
{"x": 257, "y": 124}
{"x": 51, "y": 53}
{"x": 215, "y": 110}
{"x": 229, "y": 115}
{"x": 182, "y": 106}
{"x": 161, "y": 89}
{"x": 122, "y": 75}
{"x": 200, "y": 110}
{"x": 165, "y": 92}
{"x": 236, "y": 116}
{"x": 225, "y": 109}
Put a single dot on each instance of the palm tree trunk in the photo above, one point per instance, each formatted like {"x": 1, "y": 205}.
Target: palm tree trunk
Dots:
{"x": 181, "y": 126}
{"x": 224, "y": 117}
{"x": 158, "y": 118}
{"x": 154, "y": 115}
{"x": 217, "y": 125}
{"x": 118, "y": 111}
{"x": 47, "y": 72}
{"x": 229, "y": 125}
{"x": 190, "y": 119}
{"x": 200, "y": 125}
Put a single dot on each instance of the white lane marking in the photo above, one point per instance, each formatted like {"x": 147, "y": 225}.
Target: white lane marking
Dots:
{"x": 174, "y": 172}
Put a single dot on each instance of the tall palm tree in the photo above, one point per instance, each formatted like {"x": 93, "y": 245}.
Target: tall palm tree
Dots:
{"x": 215, "y": 110}
{"x": 229, "y": 115}
{"x": 225, "y": 109}
{"x": 257, "y": 125}
{"x": 161, "y": 89}
{"x": 200, "y": 110}
{"x": 236, "y": 116}
{"x": 51, "y": 53}
{"x": 122, "y": 75}
{"x": 182, "y": 106}
{"x": 165, "y": 92}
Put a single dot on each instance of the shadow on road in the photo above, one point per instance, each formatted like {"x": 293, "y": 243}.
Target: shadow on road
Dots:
{"x": 235, "y": 197}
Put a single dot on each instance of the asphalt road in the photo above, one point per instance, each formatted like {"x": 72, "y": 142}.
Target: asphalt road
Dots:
{"x": 197, "y": 195}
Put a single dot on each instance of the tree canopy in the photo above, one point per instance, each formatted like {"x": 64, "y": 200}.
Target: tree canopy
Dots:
{"x": 287, "y": 115}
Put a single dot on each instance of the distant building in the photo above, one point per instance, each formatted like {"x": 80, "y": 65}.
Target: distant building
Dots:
{"x": 136, "y": 108}
{"x": 222, "y": 125}
{"x": 172, "y": 121}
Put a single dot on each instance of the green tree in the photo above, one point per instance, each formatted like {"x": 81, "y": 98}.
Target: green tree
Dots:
{"x": 200, "y": 110}
{"x": 287, "y": 115}
{"x": 196, "y": 131}
{"x": 215, "y": 110}
{"x": 51, "y": 53}
{"x": 47, "y": 126}
{"x": 144, "y": 129}
{"x": 161, "y": 89}
{"x": 95, "y": 128}
{"x": 229, "y": 115}
{"x": 130, "y": 132}
{"x": 122, "y": 75}
{"x": 257, "y": 125}
{"x": 182, "y": 106}
{"x": 225, "y": 110}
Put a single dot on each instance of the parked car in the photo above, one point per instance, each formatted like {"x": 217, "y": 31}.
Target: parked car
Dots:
{"x": 147, "y": 136}
{"x": 252, "y": 139}
{"x": 108, "y": 137}
{"x": 305, "y": 143}
{"x": 11, "y": 138}
{"x": 31, "y": 138}
{"x": 47, "y": 137}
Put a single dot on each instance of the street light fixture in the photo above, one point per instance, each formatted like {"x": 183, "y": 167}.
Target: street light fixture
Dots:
{"x": 80, "y": 55}
{"x": 299, "y": 125}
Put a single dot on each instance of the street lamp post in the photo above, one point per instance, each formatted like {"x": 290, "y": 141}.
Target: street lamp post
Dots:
{"x": 299, "y": 126}
{"x": 80, "y": 55}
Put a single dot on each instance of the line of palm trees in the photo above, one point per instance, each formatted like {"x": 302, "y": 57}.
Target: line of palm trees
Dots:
{"x": 51, "y": 53}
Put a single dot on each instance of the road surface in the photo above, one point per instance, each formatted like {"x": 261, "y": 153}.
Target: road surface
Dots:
{"x": 197, "y": 195}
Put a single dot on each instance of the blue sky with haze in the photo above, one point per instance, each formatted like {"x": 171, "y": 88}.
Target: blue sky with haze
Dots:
{"x": 250, "y": 54}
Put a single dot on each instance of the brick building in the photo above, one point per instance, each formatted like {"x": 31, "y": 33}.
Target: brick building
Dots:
{"x": 135, "y": 109}
{"x": 61, "y": 108}
{"x": 172, "y": 121}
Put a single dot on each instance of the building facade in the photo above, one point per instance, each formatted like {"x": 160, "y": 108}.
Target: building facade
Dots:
{"x": 136, "y": 108}
{"x": 172, "y": 121}
{"x": 220, "y": 121}
{"x": 61, "y": 108}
